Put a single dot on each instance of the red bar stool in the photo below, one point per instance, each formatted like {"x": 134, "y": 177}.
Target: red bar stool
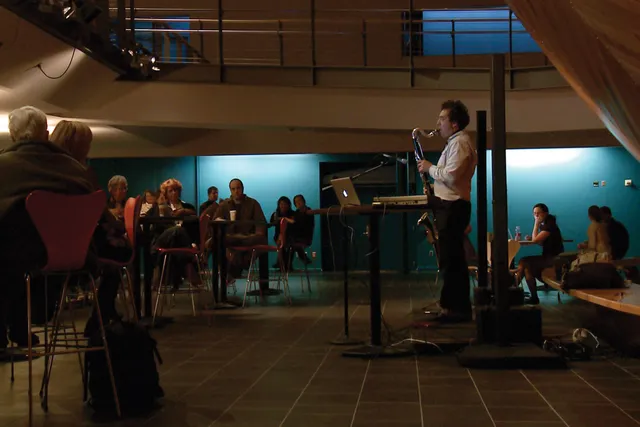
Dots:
{"x": 66, "y": 250}
{"x": 132, "y": 224}
{"x": 197, "y": 253}
{"x": 253, "y": 275}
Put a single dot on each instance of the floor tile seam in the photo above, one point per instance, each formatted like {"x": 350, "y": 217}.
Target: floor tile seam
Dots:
{"x": 606, "y": 397}
{"x": 276, "y": 362}
{"x": 545, "y": 399}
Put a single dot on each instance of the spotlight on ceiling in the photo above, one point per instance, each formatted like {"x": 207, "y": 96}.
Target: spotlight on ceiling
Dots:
{"x": 69, "y": 11}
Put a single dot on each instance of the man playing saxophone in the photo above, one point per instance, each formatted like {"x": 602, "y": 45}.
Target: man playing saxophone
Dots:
{"x": 452, "y": 186}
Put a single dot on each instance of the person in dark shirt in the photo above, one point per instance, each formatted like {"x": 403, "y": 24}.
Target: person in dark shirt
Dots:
{"x": 619, "y": 240}
{"x": 546, "y": 233}
{"x": 283, "y": 210}
{"x": 212, "y": 194}
{"x": 248, "y": 231}
{"x": 618, "y": 234}
{"x": 31, "y": 163}
{"x": 302, "y": 229}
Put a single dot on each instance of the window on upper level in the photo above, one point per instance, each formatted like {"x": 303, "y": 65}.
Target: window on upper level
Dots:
{"x": 169, "y": 41}
{"x": 466, "y": 32}
{"x": 166, "y": 37}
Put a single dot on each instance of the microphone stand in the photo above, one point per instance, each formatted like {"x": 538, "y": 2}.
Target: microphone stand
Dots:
{"x": 345, "y": 339}
{"x": 384, "y": 162}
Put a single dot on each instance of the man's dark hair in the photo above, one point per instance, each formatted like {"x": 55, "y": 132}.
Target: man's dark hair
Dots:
{"x": 544, "y": 208}
{"x": 595, "y": 213}
{"x": 212, "y": 189}
{"x": 239, "y": 180}
{"x": 606, "y": 210}
{"x": 458, "y": 113}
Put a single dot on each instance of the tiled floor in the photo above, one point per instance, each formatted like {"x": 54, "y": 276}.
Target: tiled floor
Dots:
{"x": 272, "y": 366}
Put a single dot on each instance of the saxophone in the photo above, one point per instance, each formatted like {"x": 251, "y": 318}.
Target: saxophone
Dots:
{"x": 417, "y": 148}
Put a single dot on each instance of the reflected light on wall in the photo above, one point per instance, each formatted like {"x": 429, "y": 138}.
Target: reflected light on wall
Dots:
{"x": 539, "y": 157}
{"x": 52, "y": 121}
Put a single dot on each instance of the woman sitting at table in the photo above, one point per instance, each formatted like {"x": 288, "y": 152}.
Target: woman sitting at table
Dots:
{"x": 174, "y": 236}
{"x": 283, "y": 210}
{"x": 546, "y": 233}
{"x": 597, "y": 233}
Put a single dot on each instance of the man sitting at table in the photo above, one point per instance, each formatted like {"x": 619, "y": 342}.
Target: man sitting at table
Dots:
{"x": 31, "y": 163}
{"x": 248, "y": 234}
{"x": 212, "y": 200}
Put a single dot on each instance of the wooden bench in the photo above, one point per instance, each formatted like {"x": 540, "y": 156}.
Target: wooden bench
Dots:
{"x": 626, "y": 300}
{"x": 627, "y": 262}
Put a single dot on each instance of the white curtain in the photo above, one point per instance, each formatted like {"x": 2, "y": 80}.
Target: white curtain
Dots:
{"x": 595, "y": 45}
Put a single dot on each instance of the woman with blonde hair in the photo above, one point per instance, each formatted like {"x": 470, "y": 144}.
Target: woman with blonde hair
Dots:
{"x": 109, "y": 240}
{"x": 75, "y": 137}
{"x": 171, "y": 190}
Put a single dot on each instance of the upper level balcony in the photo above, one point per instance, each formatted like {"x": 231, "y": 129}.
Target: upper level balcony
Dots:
{"x": 315, "y": 45}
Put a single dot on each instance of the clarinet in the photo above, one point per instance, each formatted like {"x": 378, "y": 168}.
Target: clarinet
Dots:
{"x": 419, "y": 153}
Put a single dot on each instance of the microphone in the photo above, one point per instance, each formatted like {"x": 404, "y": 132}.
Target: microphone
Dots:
{"x": 396, "y": 158}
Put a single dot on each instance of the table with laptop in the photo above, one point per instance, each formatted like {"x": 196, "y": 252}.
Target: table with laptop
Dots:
{"x": 350, "y": 205}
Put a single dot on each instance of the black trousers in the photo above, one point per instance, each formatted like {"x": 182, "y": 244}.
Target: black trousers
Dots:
{"x": 452, "y": 219}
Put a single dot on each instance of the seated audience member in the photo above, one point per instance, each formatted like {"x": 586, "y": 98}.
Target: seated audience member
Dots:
{"x": 175, "y": 236}
{"x": 150, "y": 200}
{"x": 171, "y": 189}
{"x": 546, "y": 233}
{"x": 598, "y": 236}
{"x": 302, "y": 229}
{"x": 110, "y": 237}
{"x": 212, "y": 198}
{"x": 31, "y": 163}
{"x": 246, "y": 209}
{"x": 117, "y": 188}
{"x": 283, "y": 210}
{"x": 618, "y": 234}
{"x": 76, "y": 137}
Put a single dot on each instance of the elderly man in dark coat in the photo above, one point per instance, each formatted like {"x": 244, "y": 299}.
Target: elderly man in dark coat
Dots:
{"x": 31, "y": 163}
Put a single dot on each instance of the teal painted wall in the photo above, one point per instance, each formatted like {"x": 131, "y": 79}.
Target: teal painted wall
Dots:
{"x": 561, "y": 178}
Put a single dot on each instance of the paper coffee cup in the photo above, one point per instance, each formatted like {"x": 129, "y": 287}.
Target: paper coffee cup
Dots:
{"x": 232, "y": 215}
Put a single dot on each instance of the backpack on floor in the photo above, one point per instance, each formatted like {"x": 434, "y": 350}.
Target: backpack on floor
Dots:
{"x": 133, "y": 358}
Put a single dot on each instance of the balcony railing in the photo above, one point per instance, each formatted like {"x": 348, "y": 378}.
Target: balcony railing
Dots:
{"x": 331, "y": 38}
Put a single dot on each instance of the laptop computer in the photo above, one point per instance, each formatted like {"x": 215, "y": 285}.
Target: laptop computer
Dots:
{"x": 345, "y": 192}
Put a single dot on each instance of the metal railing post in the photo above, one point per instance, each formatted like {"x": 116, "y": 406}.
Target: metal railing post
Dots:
{"x": 122, "y": 23}
{"x": 312, "y": 5}
{"x": 364, "y": 42}
{"x": 453, "y": 42}
{"x": 280, "y": 43}
{"x": 220, "y": 44}
{"x": 412, "y": 77}
{"x": 201, "y": 26}
{"x": 132, "y": 13}
{"x": 510, "y": 49}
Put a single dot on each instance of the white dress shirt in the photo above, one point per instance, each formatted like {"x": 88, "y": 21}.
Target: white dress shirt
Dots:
{"x": 456, "y": 166}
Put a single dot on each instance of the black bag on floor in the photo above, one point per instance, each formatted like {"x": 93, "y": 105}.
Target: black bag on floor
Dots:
{"x": 593, "y": 275}
{"x": 133, "y": 356}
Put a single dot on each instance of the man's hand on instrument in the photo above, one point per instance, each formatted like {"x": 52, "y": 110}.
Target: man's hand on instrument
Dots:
{"x": 424, "y": 165}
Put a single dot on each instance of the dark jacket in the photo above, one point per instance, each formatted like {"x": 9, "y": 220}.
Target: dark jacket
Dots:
{"x": 619, "y": 238}
{"x": 26, "y": 167}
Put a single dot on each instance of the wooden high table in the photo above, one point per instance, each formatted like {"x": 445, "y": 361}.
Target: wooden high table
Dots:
{"x": 375, "y": 348}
